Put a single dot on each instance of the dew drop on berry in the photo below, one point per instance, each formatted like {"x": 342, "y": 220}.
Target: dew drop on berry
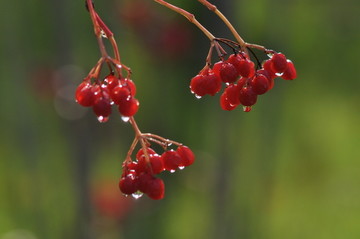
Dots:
{"x": 246, "y": 108}
{"x": 279, "y": 74}
{"x": 181, "y": 167}
{"x": 125, "y": 119}
{"x": 198, "y": 96}
{"x": 172, "y": 171}
{"x": 137, "y": 195}
{"x": 102, "y": 119}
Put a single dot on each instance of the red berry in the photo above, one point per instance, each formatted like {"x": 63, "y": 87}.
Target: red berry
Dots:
{"x": 129, "y": 107}
{"x": 232, "y": 93}
{"x": 260, "y": 84}
{"x": 130, "y": 85}
{"x": 111, "y": 81}
{"x": 144, "y": 179}
{"x": 279, "y": 62}
{"x": 171, "y": 159}
{"x": 128, "y": 184}
{"x": 140, "y": 153}
{"x": 205, "y": 83}
{"x": 120, "y": 94}
{"x": 102, "y": 107}
{"x": 85, "y": 94}
{"x": 157, "y": 164}
{"x": 187, "y": 156}
{"x": 155, "y": 188}
{"x": 227, "y": 72}
{"x": 224, "y": 102}
{"x": 268, "y": 67}
{"x": 247, "y": 96}
{"x": 246, "y": 68}
{"x": 290, "y": 72}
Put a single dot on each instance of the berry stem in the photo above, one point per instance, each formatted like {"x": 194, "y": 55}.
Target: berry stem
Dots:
{"x": 188, "y": 16}
{"x": 214, "y": 9}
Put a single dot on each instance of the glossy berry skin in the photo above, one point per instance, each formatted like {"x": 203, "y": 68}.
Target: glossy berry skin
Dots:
{"x": 260, "y": 84}
{"x": 187, "y": 156}
{"x": 155, "y": 188}
{"x": 129, "y": 107}
{"x": 111, "y": 82}
{"x": 225, "y": 104}
{"x": 102, "y": 107}
{"x": 171, "y": 159}
{"x": 85, "y": 94}
{"x": 245, "y": 68}
{"x": 270, "y": 72}
{"x": 157, "y": 164}
{"x": 140, "y": 153}
{"x": 279, "y": 62}
{"x": 247, "y": 96}
{"x": 226, "y": 71}
{"x": 120, "y": 94}
{"x": 128, "y": 184}
{"x": 290, "y": 72}
{"x": 232, "y": 94}
{"x": 205, "y": 83}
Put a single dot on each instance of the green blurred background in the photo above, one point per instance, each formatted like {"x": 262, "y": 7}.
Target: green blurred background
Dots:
{"x": 289, "y": 169}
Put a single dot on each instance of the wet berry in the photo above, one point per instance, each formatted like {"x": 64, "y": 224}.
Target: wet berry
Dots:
{"x": 187, "y": 156}
{"x": 247, "y": 96}
{"x": 129, "y": 107}
{"x": 279, "y": 62}
{"x": 260, "y": 84}
{"x": 155, "y": 188}
{"x": 290, "y": 72}
{"x": 171, "y": 159}
{"x": 128, "y": 184}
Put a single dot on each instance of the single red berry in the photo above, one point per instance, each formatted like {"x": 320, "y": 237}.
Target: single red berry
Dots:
{"x": 247, "y": 96}
{"x": 232, "y": 93}
{"x": 120, "y": 94}
{"x": 85, "y": 94}
{"x": 129, "y": 184}
{"x": 279, "y": 62}
{"x": 142, "y": 166}
{"x": 143, "y": 181}
{"x": 156, "y": 188}
{"x": 290, "y": 72}
{"x": 102, "y": 107}
{"x": 224, "y": 102}
{"x": 157, "y": 164}
{"x": 129, "y": 107}
{"x": 268, "y": 67}
{"x": 140, "y": 153}
{"x": 226, "y": 71}
{"x": 260, "y": 84}
{"x": 246, "y": 68}
{"x": 242, "y": 82}
{"x": 111, "y": 81}
{"x": 205, "y": 83}
{"x": 171, "y": 159}
{"x": 187, "y": 156}
{"x": 130, "y": 85}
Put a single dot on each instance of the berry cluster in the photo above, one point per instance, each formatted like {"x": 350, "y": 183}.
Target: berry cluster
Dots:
{"x": 139, "y": 176}
{"x": 101, "y": 95}
{"x": 243, "y": 81}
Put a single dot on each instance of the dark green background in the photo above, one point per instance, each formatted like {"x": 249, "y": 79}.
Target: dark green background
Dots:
{"x": 289, "y": 169}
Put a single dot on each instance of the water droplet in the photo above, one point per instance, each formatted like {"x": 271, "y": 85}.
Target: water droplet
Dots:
{"x": 103, "y": 34}
{"x": 270, "y": 55}
{"x": 197, "y": 96}
{"x": 278, "y": 74}
{"x": 103, "y": 119}
{"x": 169, "y": 144}
{"x": 181, "y": 167}
{"x": 137, "y": 195}
{"x": 125, "y": 119}
{"x": 247, "y": 108}
{"x": 172, "y": 171}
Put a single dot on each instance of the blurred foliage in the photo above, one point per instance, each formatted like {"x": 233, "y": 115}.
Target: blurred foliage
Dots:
{"x": 288, "y": 169}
